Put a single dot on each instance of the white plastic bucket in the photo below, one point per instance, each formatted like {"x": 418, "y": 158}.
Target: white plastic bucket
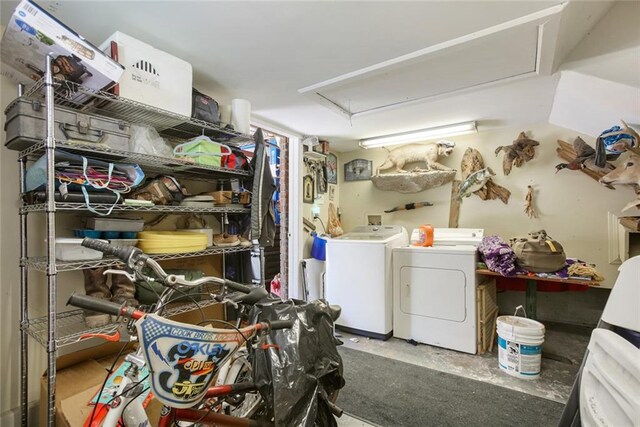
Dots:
{"x": 520, "y": 346}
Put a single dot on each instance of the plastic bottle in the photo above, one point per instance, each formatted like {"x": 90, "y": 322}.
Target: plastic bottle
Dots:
{"x": 425, "y": 236}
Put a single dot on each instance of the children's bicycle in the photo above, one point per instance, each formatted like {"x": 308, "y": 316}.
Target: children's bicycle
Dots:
{"x": 183, "y": 359}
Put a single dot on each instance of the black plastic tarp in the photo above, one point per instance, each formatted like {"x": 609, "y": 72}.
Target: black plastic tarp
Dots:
{"x": 296, "y": 370}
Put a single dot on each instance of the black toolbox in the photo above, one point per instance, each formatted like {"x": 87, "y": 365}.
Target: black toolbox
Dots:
{"x": 26, "y": 125}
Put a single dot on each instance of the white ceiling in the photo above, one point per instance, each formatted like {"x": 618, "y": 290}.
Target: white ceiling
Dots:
{"x": 266, "y": 51}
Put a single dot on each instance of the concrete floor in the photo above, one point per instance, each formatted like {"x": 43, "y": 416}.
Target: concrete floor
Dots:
{"x": 564, "y": 345}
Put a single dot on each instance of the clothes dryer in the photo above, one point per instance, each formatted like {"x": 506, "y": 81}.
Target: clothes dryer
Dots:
{"x": 434, "y": 290}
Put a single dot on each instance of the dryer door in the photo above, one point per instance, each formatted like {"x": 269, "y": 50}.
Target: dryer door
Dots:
{"x": 433, "y": 292}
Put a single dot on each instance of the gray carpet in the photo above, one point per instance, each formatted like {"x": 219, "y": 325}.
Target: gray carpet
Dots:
{"x": 392, "y": 393}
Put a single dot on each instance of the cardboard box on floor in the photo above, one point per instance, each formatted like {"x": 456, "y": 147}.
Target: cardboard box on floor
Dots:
{"x": 80, "y": 374}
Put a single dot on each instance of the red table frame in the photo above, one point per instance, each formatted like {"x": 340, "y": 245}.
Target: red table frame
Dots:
{"x": 531, "y": 296}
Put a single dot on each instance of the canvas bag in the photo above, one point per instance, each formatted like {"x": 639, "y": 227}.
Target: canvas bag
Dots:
{"x": 203, "y": 107}
{"x": 538, "y": 253}
{"x": 74, "y": 172}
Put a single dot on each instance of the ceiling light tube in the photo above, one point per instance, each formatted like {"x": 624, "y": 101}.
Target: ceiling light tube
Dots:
{"x": 419, "y": 135}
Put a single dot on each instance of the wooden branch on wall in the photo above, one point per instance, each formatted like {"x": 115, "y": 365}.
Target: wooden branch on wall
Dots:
{"x": 568, "y": 154}
{"x": 454, "y": 208}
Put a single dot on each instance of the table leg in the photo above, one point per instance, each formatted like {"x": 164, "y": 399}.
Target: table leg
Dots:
{"x": 531, "y": 299}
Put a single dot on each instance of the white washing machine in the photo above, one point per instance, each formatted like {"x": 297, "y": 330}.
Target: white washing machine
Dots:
{"x": 434, "y": 290}
{"x": 359, "y": 278}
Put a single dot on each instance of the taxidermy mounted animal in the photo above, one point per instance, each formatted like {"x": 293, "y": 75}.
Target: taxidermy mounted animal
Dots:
{"x": 474, "y": 182}
{"x": 627, "y": 173}
{"x": 518, "y": 153}
{"x": 427, "y": 153}
{"x": 585, "y": 158}
{"x": 471, "y": 162}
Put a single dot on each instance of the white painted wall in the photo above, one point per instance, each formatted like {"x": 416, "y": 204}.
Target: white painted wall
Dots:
{"x": 611, "y": 50}
{"x": 572, "y": 207}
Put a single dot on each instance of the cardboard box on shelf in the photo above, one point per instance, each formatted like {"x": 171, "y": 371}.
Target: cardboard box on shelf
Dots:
{"x": 32, "y": 33}
{"x": 80, "y": 375}
{"x": 151, "y": 76}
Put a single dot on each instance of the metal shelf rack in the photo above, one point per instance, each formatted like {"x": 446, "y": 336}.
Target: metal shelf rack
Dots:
{"x": 62, "y": 329}
{"x": 167, "y": 123}
{"x": 149, "y": 163}
{"x": 71, "y": 326}
{"x": 40, "y": 263}
{"x": 172, "y": 210}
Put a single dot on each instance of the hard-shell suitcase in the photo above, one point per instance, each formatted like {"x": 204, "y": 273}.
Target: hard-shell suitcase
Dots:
{"x": 25, "y": 125}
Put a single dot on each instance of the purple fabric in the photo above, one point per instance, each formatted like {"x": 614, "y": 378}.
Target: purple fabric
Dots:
{"x": 498, "y": 255}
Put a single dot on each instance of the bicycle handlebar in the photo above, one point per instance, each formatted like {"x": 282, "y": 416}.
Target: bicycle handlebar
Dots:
{"x": 238, "y": 286}
{"x": 103, "y": 306}
{"x": 121, "y": 252}
{"x": 274, "y": 325}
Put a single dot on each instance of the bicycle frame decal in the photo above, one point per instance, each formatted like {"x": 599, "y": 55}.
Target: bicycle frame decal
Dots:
{"x": 183, "y": 358}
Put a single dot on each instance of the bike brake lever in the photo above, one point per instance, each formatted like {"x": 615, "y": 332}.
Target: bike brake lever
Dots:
{"x": 113, "y": 338}
{"x": 121, "y": 273}
{"x": 228, "y": 301}
{"x": 120, "y": 335}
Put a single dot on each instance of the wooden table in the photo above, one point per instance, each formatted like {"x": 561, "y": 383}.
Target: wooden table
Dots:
{"x": 531, "y": 296}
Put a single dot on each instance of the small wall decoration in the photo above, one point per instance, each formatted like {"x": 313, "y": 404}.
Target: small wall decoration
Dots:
{"x": 332, "y": 193}
{"x": 528, "y": 207}
{"x": 358, "y": 170}
{"x": 331, "y": 166}
{"x": 307, "y": 189}
{"x": 321, "y": 181}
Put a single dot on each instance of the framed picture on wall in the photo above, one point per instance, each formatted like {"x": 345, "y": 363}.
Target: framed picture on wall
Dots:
{"x": 331, "y": 166}
{"x": 307, "y": 189}
{"x": 357, "y": 170}
{"x": 332, "y": 193}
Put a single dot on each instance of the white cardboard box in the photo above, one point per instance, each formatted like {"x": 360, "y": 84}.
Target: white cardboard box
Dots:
{"x": 151, "y": 76}
{"x": 32, "y": 33}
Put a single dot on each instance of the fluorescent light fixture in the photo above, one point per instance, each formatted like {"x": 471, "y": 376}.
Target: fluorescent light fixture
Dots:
{"x": 419, "y": 135}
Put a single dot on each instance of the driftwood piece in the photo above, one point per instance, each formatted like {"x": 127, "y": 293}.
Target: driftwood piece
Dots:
{"x": 567, "y": 153}
{"x": 471, "y": 162}
{"x": 454, "y": 208}
{"x": 518, "y": 153}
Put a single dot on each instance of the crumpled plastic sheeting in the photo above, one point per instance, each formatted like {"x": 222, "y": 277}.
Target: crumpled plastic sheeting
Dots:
{"x": 296, "y": 377}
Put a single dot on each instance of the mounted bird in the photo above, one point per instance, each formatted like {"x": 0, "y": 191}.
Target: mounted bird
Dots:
{"x": 518, "y": 153}
{"x": 585, "y": 159}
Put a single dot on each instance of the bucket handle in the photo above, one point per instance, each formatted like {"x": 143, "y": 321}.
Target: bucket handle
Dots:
{"x": 515, "y": 313}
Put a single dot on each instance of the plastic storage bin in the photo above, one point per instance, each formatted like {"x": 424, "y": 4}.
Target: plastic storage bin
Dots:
{"x": 151, "y": 76}
{"x": 115, "y": 224}
{"x": 68, "y": 249}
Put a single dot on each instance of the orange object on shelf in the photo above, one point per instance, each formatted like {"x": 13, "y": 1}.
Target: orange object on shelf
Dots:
{"x": 425, "y": 237}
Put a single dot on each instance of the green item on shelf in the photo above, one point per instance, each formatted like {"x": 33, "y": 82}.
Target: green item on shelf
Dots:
{"x": 202, "y": 150}
{"x": 147, "y": 293}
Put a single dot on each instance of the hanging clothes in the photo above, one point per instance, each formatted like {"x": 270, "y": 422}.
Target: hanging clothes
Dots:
{"x": 263, "y": 226}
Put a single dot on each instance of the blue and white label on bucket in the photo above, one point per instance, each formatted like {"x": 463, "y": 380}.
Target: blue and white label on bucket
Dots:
{"x": 519, "y": 359}
{"x": 530, "y": 350}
